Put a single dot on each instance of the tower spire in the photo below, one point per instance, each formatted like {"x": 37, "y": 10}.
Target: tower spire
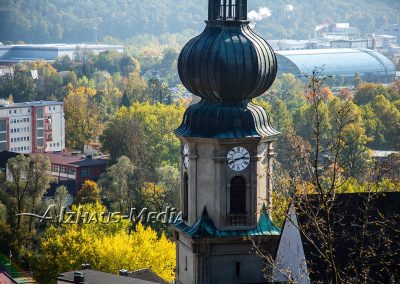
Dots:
{"x": 231, "y": 10}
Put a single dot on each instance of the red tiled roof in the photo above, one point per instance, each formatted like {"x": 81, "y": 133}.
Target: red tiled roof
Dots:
{"x": 66, "y": 158}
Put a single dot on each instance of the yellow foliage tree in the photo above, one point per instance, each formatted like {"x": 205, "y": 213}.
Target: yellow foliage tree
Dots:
{"x": 107, "y": 247}
{"x": 89, "y": 193}
{"x": 82, "y": 117}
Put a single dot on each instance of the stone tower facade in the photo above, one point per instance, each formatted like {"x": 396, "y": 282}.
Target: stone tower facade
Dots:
{"x": 227, "y": 151}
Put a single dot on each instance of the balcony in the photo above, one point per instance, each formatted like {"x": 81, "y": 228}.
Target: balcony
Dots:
{"x": 238, "y": 219}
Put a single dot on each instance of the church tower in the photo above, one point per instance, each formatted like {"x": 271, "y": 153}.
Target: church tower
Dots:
{"x": 227, "y": 151}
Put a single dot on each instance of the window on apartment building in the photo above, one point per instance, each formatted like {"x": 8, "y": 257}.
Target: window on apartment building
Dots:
{"x": 39, "y": 132}
{"x": 39, "y": 113}
{"x": 84, "y": 173}
{"x": 3, "y": 136}
{"x": 40, "y": 142}
{"x": 71, "y": 172}
{"x": 39, "y": 124}
{"x": 3, "y": 146}
{"x": 3, "y": 125}
{"x": 9, "y": 111}
{"x": 15, "y": 111}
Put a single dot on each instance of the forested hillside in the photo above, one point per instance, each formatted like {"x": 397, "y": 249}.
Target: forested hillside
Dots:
{"x": 38, "y": 21}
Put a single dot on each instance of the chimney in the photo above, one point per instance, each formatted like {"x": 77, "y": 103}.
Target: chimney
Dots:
{"x": 79, "y": 278}
{"x": 123, "y": 272}
{"x": 85, "y": 266}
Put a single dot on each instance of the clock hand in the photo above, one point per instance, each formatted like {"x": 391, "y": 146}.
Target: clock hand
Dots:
{"x": 237, "y": 159}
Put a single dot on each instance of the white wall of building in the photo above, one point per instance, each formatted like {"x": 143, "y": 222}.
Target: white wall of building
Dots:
{"x": 21, "y": 125}
{"x": 290, "y": 262}
{"x": 56, "y": 114}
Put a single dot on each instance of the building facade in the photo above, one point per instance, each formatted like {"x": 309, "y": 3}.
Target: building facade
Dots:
{"x": 371, "y": 65}
{"x": 11, "y": 54}
{"x": 73, "y": 169}
{"x": 227, "y": 152}
{"x": 32, "y": 127}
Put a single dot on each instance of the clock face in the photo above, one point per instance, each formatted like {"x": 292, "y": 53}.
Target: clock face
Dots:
{"x": 238, "y": 158}
{"x": 186, "y": 153}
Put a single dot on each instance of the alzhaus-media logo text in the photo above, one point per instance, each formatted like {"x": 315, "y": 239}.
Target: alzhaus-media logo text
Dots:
{"x": 169, "y": 216}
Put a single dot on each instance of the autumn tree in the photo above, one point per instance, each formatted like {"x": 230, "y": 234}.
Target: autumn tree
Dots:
{"x": 82, "y": 119}
{"x": 67, "y": 247}
{"x": 322, "y": 164}
{"x": 135, "y": 89}
{"x": 366, "y": 92}
{"x": 88, "y": 193}
{"x": 49, "y": 82}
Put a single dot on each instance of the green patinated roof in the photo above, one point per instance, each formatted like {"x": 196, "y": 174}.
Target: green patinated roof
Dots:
{"x": 204, "y": 227}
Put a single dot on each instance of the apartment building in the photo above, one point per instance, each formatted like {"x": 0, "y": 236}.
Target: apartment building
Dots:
{"x": 32, "y": 127}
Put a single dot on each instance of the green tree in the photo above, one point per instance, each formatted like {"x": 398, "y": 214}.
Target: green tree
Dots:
{"x": 118, "y": 185}
{"x": 281, "y": 117}
{"x": 20, "y": 86}
{"x": 128, "y": 64}
{"x": 143, "y": 133}
{"x": 159, "y": 92}
{"x": 382, "y": 119}
{"x": 61, "y": 197}
{"x": 28, "y": 181}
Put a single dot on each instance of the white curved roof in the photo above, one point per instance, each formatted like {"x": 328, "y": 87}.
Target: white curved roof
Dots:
{"x": 339, "y": 61}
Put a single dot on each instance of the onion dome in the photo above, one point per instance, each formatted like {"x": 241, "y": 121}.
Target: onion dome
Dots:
{"x": 227, "y": 65}
{"x": 228, "y": 61}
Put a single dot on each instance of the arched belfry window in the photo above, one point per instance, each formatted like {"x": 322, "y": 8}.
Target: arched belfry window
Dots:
{"x": 238, "y": 195}
{"x": 185, "y": 197}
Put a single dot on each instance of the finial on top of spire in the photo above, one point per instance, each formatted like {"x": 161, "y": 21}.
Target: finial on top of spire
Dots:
{"x": 234, "y": 10}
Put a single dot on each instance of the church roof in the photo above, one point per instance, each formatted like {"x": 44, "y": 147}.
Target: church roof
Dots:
{"x": 366, "y": 235}
{"x": 204, "y": 227}
{"x": 217, "y": 120}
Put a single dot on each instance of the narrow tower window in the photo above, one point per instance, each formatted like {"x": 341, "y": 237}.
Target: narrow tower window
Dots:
{"x": 237, "y": 269}
{"x": 185, "y": 197}
{"x": 238, "y": 195}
